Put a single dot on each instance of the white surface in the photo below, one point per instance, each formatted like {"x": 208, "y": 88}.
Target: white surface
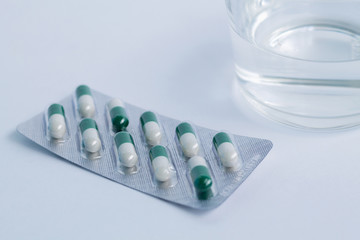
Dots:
{"x": 173, "y": 57}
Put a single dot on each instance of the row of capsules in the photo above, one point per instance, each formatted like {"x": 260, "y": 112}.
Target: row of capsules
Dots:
{"x": 198, "y": 169}
{"x": 57, "y": 130}
{"x": 162, "y": 167}
{"x": 124, "y": 146}
{"x": 57, "y": 123}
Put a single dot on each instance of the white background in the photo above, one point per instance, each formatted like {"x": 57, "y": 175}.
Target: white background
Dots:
{"x": 173, "y": 57}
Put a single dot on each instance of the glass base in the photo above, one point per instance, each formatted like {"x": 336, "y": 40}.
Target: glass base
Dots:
{"x": 290, "y": 117}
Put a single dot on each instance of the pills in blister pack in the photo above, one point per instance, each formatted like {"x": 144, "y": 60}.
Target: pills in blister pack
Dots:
{"x": 187, "y": 139}
{"x": 161, "y": 164}
{"x": 90, "y": 138}
{"x": 56, "y": 121}
{"x": 151, "y": 128}
{"x": 126, "y": 149}
{"x": 118, "y": 116}
{"x": 85, "y": 102}
{"x": 201, "y": 178}
{"x": 226, "y": 151}
{"x": 170, "y": 159}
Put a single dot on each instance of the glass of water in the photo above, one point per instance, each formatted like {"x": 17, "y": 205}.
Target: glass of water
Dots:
{"x": 298, "y": 62}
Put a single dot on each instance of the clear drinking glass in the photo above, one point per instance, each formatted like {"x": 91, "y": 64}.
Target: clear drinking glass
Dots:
{"x": 298, "y": 62}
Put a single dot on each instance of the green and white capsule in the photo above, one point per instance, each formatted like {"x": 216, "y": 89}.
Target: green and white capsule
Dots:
{"x": 188, "y": 142}
{"x": 226, "y": 150}
{"x": 90, "y": 135}
{"x": 160, "y": 163}
{"x": 56, "y": 121}
{"x": 126, "y": 149}
{"x": 151, "y": 128}
{"x": 200, "y": 176}
{"x": 85, "y": 101}
{"x": 119, "y": 118}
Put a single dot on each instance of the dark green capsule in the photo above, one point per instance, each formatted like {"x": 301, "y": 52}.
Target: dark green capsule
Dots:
{"x": 119, "y": 118}
{"x": 201, "y": 178}
{"x": 202, "y": 181}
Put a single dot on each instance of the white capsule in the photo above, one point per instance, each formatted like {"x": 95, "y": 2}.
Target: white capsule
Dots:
{"x": 196, "y": 161}
{"x": 57, "y": 126}
{"x": 152, "y": 133}
{"x": 162, "y": 168}
{"x": 189, "y": 144}
{"x": 115, "y": 102}
{"x": 127, "y": 154}
{"x": 228, "y": 155}
{"x": 86, "y": 106}
{"x": 91, "y": 140}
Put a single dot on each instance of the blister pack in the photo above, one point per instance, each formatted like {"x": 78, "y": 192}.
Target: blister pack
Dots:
{"x": 174, "y": 160}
